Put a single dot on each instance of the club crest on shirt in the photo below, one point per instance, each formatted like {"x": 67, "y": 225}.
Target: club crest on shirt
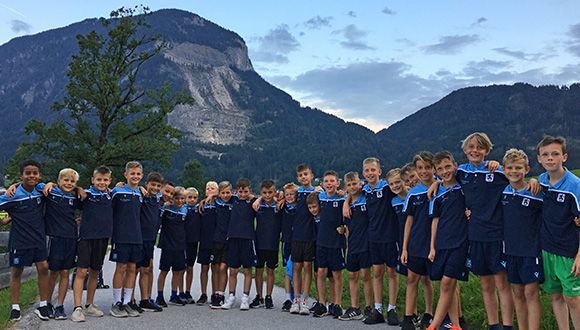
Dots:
{"x": 489, "y": 177}
{"x": 561, "y": 198}
{"x": 379, "y": 194}
{"x": 526, "y": 202}
{"x": 363, "y": 208}
{"x": 70, "y": 201}
{"x": 335, "y": 204}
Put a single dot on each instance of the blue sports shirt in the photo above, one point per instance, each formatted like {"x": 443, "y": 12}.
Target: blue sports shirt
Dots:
{"x": 288, "y": 214}
{"x": 398, "y": 203}
{"x": 97, "y": 219}
{"x": 522, "y": 216}
{"x": 192, "y": 224}
{"x": 222, "y": 220}
{"x": 268, "y": 227}
{"x": 207, "y": 226}
{"x": 150, "y": 217}
{"x": 330, "y": 219}
{"x": 358, "y": 226}
{"x": 383, "y": 225}
{"x": 27, "y": 230}
{"x": 127, "y": 215}
{"x": 304, "y": 228}
{"x": 242, "y": 219}
{"x": 172, "y": 235}
{"x": 417, "y": 205}
{"x": 59, "y": 214}
{"x": 449, "y": 206}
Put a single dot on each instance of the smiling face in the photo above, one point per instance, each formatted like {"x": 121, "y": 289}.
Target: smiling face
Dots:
{"x": 396, "y": 184}
{"x": 372, "y": 172}
{"x": 314, "y": 209}
{"x": 167, "y": 192}
{"x": 67, "y": 183}
{"x": 290, "y": 195}
{"x": 425, "y": 171}
{"x": 305, "y": 178}
{"x": 475, "y": 152}
{"x": 30, "y": 176}
{"x": 225, "y": 194}
{"x": 353, "y": 187}
{"x": 101, "y": 181}
{"x": 552, "y": 158}
{"x": 153, "y": 187}
{"x": 516, "y": 171}
{"x": 330, "y": 183}
{"x": 446, "y": 171}
{"x": 178, "y": 201}
{"x": 243, "y": 192}
{"x": 411, "y": 179}
{"x": 268, "y": 194}
{"x": 133, "y": 176}
{"x": 191, "y": 198}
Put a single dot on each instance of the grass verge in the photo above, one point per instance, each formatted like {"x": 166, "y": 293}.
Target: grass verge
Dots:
{"x": 28, "y": 294}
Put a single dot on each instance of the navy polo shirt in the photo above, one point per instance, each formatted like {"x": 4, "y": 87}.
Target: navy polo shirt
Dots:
{"x": 304, "y": 228}
{"x": 207, "y": 226}
{"x": 192, "y": 224}
{"x": 288, "y": 214}
{"x": 358, "y": 225}
{"x": 558, "y": 233}
{"x": 383, "y": 225}
{"x": 127, "y": 215}
{"x": 268, "y": 227}
{"x": 97, "y": 219}
{"x": 483, "y": 193}
{"x": 330, "y": 219}
{"x": 150, "y": 214}
{"x": 417, "y": 205}
{"x": 59, "y": 214}
{"x": 172, "y": 235}
{"x": 449, "y": 206}
{"x": 27, "y": 230}
{"x": 223, "y": 216}
{"x": 522, "y": 216}
{"x": 398, "y": 203}
{"x": 242, "y": 220}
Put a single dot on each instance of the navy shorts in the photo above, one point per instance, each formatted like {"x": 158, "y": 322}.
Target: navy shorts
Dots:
{"x": 315, "y": 268}
{"x": 451, "y": 263}
{"x": 26, "y": 257}
{"x": 384, "y": 253}
{"x": 126, "y": 253}
{"x": 241, "y": 253}
{"x": 358, "y": 261}
{"x": 418, "y": 265}
{"x": 524, "y": 270}
{"x": 486, "y": 258}
{"x": 172, "y": 260}
{"x": 204, "y": 256}
{"x": 190, "y": 253}
{"x": 303, "y": 251}
{"x": 219, "y": 253}
{"x": 401, "y": 269}
{"x": 91, "y": 253}
{"x": 331, "y": 258}
{"x": 268, "y": 258}
{"x": 147, "y": 254}
{"x": 286, "y": 252}
{"x": 62, "y": 253}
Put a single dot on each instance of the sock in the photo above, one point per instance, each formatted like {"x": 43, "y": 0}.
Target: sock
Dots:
{"x": 391, "y": 307}
{"x": 16, "y": 307}
{"x": 187, "y": 292}
{"x": 59, "y": 306}
{"x": 304, "y": 295}
{"x": 42, "y": 303}
{"x": 160, "y": 294}
{"x": 494, "y": 326}
{"x": 288, "y": 296}
{"x": 379, "y": 307}
{"x": 245, "y": 295}
{"x": 173, "y": 293}
{"x": 127, "y": 296}
{"x": 508, "y": 327}
{"x": 117, "y": 295}
{"x": 219, "y": 293}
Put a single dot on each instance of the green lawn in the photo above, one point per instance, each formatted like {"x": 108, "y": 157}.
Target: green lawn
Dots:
{"x": 28, "y": 294}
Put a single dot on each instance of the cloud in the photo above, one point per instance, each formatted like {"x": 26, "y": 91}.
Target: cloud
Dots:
{"x": 318, "y": 22}
{"x": 354, "y": 38}
{"x": 275, "y": 46}
{"x": 351, "y": 14}
{"x": 574, "y": 43}
{"x": 19, "y": 26}
{"x": 388, "y": 11}
{"x": 450, "y": 45}
{"x": 479, "y": 21}
{"x": 520, "y": 55}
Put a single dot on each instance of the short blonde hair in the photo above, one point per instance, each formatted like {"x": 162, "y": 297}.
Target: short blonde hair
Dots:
{"x": 179, "y": 191}
{"x": 514, "y": 155}
{"x": 393, "y": 172}
{"x": 290, "y": 186}
{"x": 351, "y": 176}
{"x": 191, "y": 190}
{"x": 224, "y": 185}
{"x": 481, "y": 139}
{"x": 133, "y": 164}
{"x": 424, "y": 156}
{"x": 68, "y": 172}
{"x": 372, "y": 160}
{"x": 211, "y": 184}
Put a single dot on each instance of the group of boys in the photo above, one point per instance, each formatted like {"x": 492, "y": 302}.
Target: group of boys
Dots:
{"x": 431, "y": 220}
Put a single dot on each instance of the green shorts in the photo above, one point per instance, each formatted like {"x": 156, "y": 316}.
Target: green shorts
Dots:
{"x": 558, "y": 277}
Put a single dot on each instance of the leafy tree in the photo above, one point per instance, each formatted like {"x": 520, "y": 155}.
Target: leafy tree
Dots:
{"x": 193, "y": 176}
{"x": 108, "y": 117}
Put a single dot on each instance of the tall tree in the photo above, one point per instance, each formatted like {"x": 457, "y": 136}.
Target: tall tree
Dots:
{"x": 109, "y": 118}
{"x": 193, "y": 176}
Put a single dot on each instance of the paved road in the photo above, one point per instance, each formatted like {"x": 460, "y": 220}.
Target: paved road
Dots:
{"x": 191, "y": 315}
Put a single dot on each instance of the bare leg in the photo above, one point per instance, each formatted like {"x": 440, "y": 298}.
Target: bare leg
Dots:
{"x": 78, "y": 285}
{"x": 161, "y": 280}
{"x": 338, "y": 285}
{"x": 560, "y": 311}
{"x": 15, "y": 277}
{"x": 119, "y": 275}
{"x": 62, "y": 286}
{"x": 307, "y": 276}
{"x": 506, "y": 297}
{"x": 150, "y": 283}
{"x": 444, "y": 306}
{"x": 260, "y": 281}
{"x": 188, "y": 278}
{"x": 144, "y": 282}
{"x": 247, "y": 279}
{"x": 270, "y": 281}
{"x": 52, "y": 276}
{"x": 42, "y": 270}
{"x": 428, "y": 294}
{"x": 378, "y": 273}
{"x": 393, "y": 285}
{"x": 203, "y": 278}
{"x": 331, "y": 285}
{"x": 223, "y": 277}
{"x": 233, "y": 279}
{"x": 287, "y": 284}
{"x": 411, "y": 297}
{"x": 91, "y": 285}
{"x": 489, "y": 298}
{"x": 521, "y": 306}
{"x": 367, "y": 285}
{"x": 573, "y": 303}
{"x": 354, "y": 288}
{"x": 534, "y": 305}
{"x": 214, "y": 278}
{"x": 322, "y": 273}
{"x": 131, "y": 276}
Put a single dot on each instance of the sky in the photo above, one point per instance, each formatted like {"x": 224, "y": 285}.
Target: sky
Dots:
{"x": 369, "y": 62}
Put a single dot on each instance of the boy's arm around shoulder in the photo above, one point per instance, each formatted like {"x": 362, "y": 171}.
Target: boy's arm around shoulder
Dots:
{"x": 6, "y": 220}
{"x": 12, "y": 190}
{"x": 432, "y": 191}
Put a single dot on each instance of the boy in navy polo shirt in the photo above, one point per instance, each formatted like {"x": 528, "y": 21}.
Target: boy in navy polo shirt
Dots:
{"x": 219, "y": 252}
{"x": 358, "y": 259}
{"x": 289, "y": 212}
{"x": 416, "y": 241}
{"x": 241, "y": 236}
{"x": 303, "y": 242}
{"x": 558, "y": 233}
{"x": 192, "y": 233}
{"x": 61, "y": 226}
{"x": 449, "y": 245}
{"x": 409, "y": 175}
{"x": 207, "y": 229}
{"x": 172, "y": 245}
{"x": 330, "y": 244}
{"x": 127, "y": 239}
{"x": 268, "y": 228}
{"x": 27, "y": 242}
{"x": 522, "y": 215}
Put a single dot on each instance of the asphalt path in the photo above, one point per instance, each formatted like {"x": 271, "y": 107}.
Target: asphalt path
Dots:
{"x": 180, "y": 317}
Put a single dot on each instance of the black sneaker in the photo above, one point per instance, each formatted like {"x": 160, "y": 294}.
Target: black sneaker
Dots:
{"x": 337, "y": 311}
{"x": 286, "y": 306}
{"x": 161, "y": 302}
{"x": 175, "y": 300}
{"x": 374, "y": 318}
{"x": 148, "y": 306}
{"x": 416, "y": 320}
{"x": 352, "y": 313}
{"x": 268, "y": 302}
{"x": 425, "y": 321}
{"x": 257, "y": 302}
{"x": 367, "y": 312}
{"x": 392, "y": 317}
{"x": 14, "y": 316}
{"x": 42, "y": 313}
{"x": 135, "y": 307}
{"x": 313, "y": 307}
{"x": 216, "y": 302}
{"x": 462, "y": 323}
{"x": 50, "y": 310}
{"x": 408, "y": 323}
{"x": 202, "y": 300}
{"x": 320, "y": 310}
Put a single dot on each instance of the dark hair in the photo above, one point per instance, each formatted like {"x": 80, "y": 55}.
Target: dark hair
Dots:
{"x": 312, "y": 198}
{"x": 243, "y": 183}
{"x": 167, "y": 182}
{"x": 442, "y": 155}
{"x": 303, "y": 167}
{"x": 29, "y": 162}
{"x": 547, "y": 140}
{"x": 333, "y": 173}
{"x": 155, "y": 177}
{"x": 267, "y": 184}
{"x": 102, "y": 170}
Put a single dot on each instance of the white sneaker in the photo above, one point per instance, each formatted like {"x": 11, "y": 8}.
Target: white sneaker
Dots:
{"x": 94, "y": 311}
{"x": 245, "y": 305}
{"x": 229, "y": 302}
{"x": 304, "y": 310}
{"x": 78, "y": 315}
{"x": 295, "y": 308}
